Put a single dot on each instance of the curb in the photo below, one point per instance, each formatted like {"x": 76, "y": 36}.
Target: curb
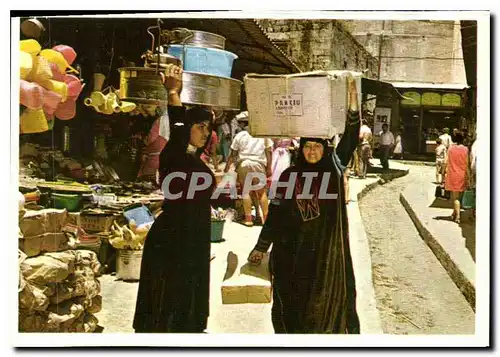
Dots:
{"x": 464, "y": 285}
{"x": 416, "y": 163}
{"x": 367, "y": 308}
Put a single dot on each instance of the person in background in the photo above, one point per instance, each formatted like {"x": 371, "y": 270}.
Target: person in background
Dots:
{"x": 473, "y": 158}
{"x": 440, "y": 159}
{"x": 398, "y": 147}
{"x": 251, "y": 155}
{"x": 364, "y": 154}
{"x": 446, "y": 138}
{"x": 210, "y": 152}
{"x": 225, "y": 138}
{"x": 282, "y": 156}
{"x": 386, "y": 145}
{"x": 456, "y": 179}
{"x": 154, "y": 145}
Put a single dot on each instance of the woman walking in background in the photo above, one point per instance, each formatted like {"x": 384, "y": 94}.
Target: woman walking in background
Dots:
{"x": 456, "y": 169}
{"x": 398, "y": 148}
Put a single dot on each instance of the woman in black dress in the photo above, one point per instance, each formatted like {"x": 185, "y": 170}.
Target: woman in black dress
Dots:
{"x": 173, "y": 291}
{"x": 312, "y": 275}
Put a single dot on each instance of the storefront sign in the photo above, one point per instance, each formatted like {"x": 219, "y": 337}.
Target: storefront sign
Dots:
{"x": 451, "y": 100}
{"x": 381, "y": 116}
{"x": 431, "y": 99}
{"x": 413, "y": 99}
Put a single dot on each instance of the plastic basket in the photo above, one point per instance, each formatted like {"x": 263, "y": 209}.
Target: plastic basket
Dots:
{"x": 71, "y": 203}
{"x": 217, "y": 228}
{"x": 210, "y": 61}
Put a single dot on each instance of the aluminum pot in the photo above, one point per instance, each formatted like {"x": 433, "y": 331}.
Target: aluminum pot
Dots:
{"x": 194, "y": 38}
{"x": 143, "y": 85}
{"x": 204, "y": 89}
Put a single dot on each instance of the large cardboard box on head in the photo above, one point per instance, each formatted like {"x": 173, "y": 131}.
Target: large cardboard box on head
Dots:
{"x": 311, "y": 104}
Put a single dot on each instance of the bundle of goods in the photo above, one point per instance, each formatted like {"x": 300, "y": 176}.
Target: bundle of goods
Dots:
{"x": 207, "y": 70}
{"x": 46, "y": 90}
{"x": 59, "y": 292}
{"x": 312, "y": 104}
{"x": 41, "y": 231}
{"x": 129, "y": 236}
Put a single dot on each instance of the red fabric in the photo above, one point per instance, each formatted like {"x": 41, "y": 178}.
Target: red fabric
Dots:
{"x": 212, "y": 145}
{"x": 456, "y": 169}
{"x": 155, "y": 145}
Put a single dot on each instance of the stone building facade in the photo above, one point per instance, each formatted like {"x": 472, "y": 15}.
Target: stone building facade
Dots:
{"x": 413, "y": 51}
{"x": 320, "y": 45}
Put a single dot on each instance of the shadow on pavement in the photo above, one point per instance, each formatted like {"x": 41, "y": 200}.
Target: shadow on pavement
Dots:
{"x": 232, "y": 265}
{"x": 468, "y": 226}
{"x": 442, "y": 203}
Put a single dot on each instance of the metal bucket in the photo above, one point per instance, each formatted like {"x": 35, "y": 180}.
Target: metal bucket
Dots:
{"x": 128, "y": 264}
{"x": 204, "y": 89}
{"x": 143, "y": 85}
{"x": 196, "y": 38}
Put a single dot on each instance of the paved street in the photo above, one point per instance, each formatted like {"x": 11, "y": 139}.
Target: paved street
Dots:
{"x": 411, "y": 287}
{"x": 414, "y": 293}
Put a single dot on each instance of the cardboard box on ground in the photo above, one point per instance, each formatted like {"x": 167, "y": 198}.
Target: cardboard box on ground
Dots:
{"x": 311, "y": 104}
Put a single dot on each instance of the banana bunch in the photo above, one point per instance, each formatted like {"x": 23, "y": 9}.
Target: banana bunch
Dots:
{"x": 128, "y": 236}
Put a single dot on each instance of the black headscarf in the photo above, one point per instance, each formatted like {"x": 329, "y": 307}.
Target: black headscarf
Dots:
{"x": 181, "y": 121}
{"x": 324, "y": 164}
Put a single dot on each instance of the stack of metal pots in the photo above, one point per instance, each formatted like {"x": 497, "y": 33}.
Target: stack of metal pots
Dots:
{"x": 206, "y": 77}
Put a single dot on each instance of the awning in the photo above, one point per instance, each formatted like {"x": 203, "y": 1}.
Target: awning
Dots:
{"x": 425, "y": 85}
{"x": 373, "y": 86}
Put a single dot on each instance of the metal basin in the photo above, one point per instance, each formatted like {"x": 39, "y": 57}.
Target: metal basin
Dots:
{"x": 196, "y": 38}
{"x": 143, "y": 85}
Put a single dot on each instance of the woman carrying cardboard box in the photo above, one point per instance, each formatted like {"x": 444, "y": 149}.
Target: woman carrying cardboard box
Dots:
{"x": 312, "y": 275}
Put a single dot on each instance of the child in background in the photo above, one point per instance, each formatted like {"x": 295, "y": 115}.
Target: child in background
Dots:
{"x": 440, "y": 159}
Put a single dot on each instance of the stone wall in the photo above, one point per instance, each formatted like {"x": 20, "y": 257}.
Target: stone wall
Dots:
{"x": 320, "y": 45}
{"x": 413, "y": 51}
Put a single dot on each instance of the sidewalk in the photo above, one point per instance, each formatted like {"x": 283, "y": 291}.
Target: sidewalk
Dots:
{"x": 453, "y": 244}
{"x": 240, "y": 240}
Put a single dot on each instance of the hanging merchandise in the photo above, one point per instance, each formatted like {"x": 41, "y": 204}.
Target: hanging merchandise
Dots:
{"x": 30, "y": 46}
{"x": 31, "y": 95}
{"x": 58, "y": 59}
{"x": 33, "y": 121}
{"x": 45, "y": 89}
{"x": 66, "y": 139}
{"x": 41, "y": 71}
{"x": 26, "y": 64}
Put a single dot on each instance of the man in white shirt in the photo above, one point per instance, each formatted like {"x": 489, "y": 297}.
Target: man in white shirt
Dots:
{"x": 446, "y": 138}
{"x": 386, "y": 145}
{"x": 251, "y": 155}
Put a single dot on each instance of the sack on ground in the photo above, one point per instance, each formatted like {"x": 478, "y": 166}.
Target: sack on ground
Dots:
{"x": 43, "y": 270}
{"x": 31, "y": 297}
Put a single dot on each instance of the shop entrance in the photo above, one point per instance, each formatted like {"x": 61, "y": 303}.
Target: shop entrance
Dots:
{"x": 410, "y": 121}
